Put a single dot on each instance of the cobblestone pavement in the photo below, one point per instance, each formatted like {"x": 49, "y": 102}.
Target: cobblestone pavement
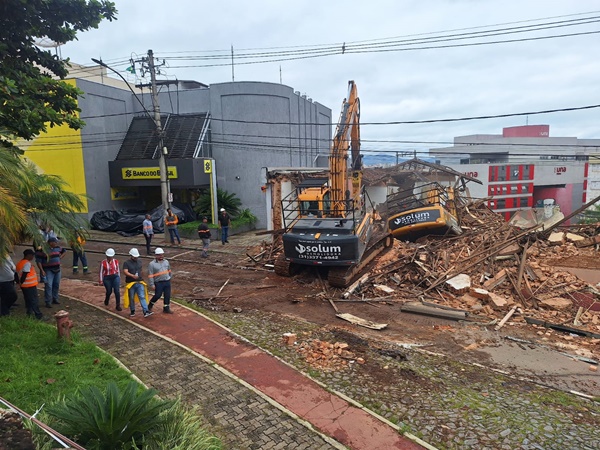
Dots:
{"x": 239, "y": 416}
{"x": 450, "y": 405}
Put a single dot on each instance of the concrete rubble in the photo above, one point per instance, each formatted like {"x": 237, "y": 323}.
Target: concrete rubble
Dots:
{"x": 492, "y": 268}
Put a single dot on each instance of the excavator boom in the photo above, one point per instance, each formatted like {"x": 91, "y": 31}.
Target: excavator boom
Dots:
{"x": 347, "y": 136}
{"x": 329, "y": 225}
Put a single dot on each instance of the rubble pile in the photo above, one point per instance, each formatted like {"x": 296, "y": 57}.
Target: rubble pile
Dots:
{"x": 492, "y": 268}
{"x": 265, "y": 253}
{"x": 327, "y": 356}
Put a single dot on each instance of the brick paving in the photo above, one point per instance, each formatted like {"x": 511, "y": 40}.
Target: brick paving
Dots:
{"x": 242, "y": 418}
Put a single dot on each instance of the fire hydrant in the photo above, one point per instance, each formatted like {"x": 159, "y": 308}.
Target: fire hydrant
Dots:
{"x": 63, "y": 325}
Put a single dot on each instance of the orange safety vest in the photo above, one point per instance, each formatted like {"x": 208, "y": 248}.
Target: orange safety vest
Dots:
{"x": 31, "y": 279}
{"x": 172, "y": 220}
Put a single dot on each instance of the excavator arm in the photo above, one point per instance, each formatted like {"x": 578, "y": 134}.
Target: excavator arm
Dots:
{"x": 347, "y": 137}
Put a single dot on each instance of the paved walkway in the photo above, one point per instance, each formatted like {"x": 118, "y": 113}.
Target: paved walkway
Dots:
{"x": 238, "y": 242}
{"x": 253, "y": 399}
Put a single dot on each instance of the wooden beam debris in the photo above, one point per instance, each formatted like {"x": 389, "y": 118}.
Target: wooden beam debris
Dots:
{"x": 354, "y": 286}
{"x": 505, "y": 319}
{"x": 362, "y": 322}
{"x": 419, "y": 308}
{"x": 563, "y": 328}
{"x": 224, "y": 284}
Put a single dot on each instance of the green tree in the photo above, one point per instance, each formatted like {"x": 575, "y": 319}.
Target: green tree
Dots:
{"x": 32, "y": 98}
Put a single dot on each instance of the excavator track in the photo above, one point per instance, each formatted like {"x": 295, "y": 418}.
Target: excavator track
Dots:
{"x": 341, "y": 277}
{"x": 283, "y": 267}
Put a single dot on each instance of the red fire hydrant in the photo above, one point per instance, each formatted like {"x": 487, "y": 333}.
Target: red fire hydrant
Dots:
{"x": 63, "y": 325}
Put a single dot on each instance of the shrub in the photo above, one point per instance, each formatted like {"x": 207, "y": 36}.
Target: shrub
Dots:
{"x": 112, "y": 419}
{"x": 181, "y": 430}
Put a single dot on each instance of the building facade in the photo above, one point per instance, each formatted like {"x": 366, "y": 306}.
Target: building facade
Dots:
{"x": 237, "y": 127}
{"x": 525, "y": 167}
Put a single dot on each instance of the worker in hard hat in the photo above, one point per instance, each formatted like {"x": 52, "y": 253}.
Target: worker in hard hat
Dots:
{"x": 159, "y": 279}
{"x": 110, "y": 277}
{"x": 224, "y": 223}
{"x": 135, "y": 287}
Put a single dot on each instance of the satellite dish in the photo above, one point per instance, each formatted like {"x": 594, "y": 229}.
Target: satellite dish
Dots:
{"x": 46, "y": 42}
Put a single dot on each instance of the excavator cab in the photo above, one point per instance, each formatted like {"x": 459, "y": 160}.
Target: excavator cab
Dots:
{"x": 314, "y": 202}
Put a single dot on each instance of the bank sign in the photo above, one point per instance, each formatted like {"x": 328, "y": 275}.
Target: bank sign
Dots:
{"x": 146, "y": 173}
{"x": 414, "y": 218}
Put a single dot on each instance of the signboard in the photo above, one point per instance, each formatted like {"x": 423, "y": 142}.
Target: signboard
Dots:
{"x": 322, "y": 251}
{"x": 146, "y": 173}
{"x": 414, "y": 218}
{"x": 208, "y": 165}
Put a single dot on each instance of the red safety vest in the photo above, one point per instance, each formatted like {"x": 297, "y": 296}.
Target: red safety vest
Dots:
{"x": 31, "y": 278}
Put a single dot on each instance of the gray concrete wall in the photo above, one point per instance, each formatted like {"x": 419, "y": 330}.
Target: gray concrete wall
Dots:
{"x": 256, "y": 125}
{"x": 106, "y": 111}
{"x": 253, "y": 125}
{"x": 186, "y": 101}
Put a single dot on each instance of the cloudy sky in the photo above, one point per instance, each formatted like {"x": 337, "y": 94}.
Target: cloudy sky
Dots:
{"x": 412, "y": 60}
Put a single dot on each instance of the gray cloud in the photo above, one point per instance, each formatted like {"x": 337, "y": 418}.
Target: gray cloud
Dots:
{"x": 393, "y": 86}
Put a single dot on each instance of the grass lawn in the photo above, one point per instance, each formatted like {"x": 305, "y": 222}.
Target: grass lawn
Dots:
{"x": 36, "y": 368}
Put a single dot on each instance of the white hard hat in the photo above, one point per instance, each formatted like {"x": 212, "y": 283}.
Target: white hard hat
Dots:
{"x": 222, "y": 209}
{"x": 159, "y": 251}
{"x": 134, "y": 252}
{"x": 110, "y": 252}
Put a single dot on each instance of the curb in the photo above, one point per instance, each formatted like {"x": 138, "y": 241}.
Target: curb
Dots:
{"x": 224, "y": 371}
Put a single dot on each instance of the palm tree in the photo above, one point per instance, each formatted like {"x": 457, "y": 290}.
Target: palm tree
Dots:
{"x": 224, "y": 199}
{"x": 29, "y": 199}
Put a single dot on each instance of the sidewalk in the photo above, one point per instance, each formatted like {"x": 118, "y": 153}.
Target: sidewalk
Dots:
{"x": 238, "y": 242}
{"x": 255, "y": 399}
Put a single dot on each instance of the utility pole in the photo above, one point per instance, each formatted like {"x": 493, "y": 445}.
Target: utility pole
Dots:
{"x": 232, "y": 66}
{"x": 162, "y": 159}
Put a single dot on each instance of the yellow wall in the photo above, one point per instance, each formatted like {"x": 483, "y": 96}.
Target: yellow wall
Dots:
{"x": 59, "y": 151}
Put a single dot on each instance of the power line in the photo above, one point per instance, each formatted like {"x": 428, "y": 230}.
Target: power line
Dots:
{"x": 399, "y": 122}
{"x": 225, "y": 54}
{"x": 377, "y": 45}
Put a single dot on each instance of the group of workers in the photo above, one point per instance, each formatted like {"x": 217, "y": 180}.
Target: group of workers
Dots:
{"x": 136, "y": 289}
{"x": 48, "y": 263}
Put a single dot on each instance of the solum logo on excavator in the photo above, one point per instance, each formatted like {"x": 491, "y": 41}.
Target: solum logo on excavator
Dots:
{"x": 301, "y": 249}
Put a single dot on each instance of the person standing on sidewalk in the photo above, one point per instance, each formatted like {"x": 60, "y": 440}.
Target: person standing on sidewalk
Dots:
{"x": 8, "y": 293}
{"x": 110, "y": 277}
{"x": 171, "y": 221}
{"x": 28, "y": 280}
{"x": 224, "y": 222}
{"x": 79, "y": 254}
{"x": 159, "y": 278}
{"x": 148, "y": 230}
{"x": 134, "y": 282}
{"x": 204, "y": 234}
{"x": 49, "y": 264}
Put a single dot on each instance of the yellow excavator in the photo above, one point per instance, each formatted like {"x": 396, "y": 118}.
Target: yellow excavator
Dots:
{"x": 330, "y": 223}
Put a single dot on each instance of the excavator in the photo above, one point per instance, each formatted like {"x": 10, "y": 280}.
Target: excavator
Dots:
{"x": 330, "y": 222}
